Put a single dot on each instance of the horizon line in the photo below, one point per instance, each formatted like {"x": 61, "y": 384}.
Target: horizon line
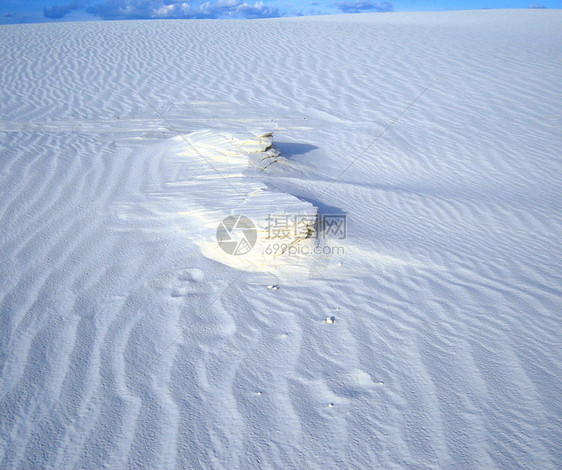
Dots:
{"x": 12, "y": 19}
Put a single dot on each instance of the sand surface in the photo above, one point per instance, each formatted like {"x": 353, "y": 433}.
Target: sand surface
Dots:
{"x": 129, "y": 340}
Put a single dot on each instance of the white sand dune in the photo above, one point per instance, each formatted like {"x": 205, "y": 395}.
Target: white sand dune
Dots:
{"x": 217, "y": 175}
{"x": 125, "y": 344}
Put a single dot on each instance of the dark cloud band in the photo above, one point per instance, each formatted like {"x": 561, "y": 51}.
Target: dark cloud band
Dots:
{"x": 360, "y": 6}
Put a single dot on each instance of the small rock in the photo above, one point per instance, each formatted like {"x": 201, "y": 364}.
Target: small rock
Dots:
{"x": 330, "y": 320}
{"x": 330, "y": 405}
{"x": 273, "y": 287}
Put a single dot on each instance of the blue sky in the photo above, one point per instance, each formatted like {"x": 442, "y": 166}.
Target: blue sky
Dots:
{"x": 22, "y": 11}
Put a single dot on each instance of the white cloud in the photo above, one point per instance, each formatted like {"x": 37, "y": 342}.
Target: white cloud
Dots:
{"x": 147, "y": 9}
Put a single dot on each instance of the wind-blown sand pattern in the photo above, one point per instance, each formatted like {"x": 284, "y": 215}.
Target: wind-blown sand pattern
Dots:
{"x": 123, "y": 345}
{"x": 214, "y": 175}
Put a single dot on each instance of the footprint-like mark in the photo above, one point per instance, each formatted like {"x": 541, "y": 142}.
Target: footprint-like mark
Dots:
{"x": 180, "y": 283}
